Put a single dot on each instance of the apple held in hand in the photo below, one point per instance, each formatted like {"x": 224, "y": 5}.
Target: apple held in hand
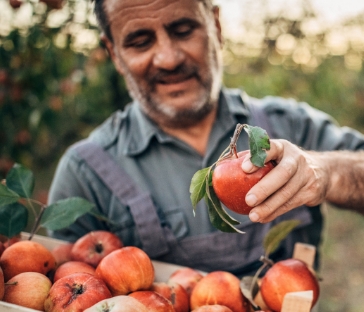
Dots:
{"x": 76, "y": 293}
{"x": 286, "y": 276}
{"x": 94, "y": 246}
{"x": 231, "y": 183}
{"x": 28, "y": 289}
{"x": 126, "y": 270}
{"x": 26, "y": 256}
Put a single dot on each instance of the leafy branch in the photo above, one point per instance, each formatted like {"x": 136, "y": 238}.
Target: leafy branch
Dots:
{"x": 201, "y": 183}
{"x": 16, "y": 202}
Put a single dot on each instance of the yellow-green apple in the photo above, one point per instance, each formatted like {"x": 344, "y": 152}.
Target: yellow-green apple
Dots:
{"x": 2, "y": 284}
{"x": 26, "y": 256}
{"x": 187, "y": 277}
{"x": 28, "y": 289}
{"x": 121, "y": 303}
{"x": 212, "y": 308}
{"x": 175, "y": 293}
{"x": 76, "y": 293}
{"x": 290, "y": 275}
{"x": 71, "y": 267}
{"x": 126, "y": 270}
{"x": 94, "y": 246}
{"x": 219, "y": 287}
{"x": 153, "y": 301}
{"x": 62, "y": 253}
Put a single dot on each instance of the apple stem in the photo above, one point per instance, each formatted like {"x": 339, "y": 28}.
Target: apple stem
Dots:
{"x": 232, "y": 151}
{"x": 37, "y": 222}
{"x": 11, "y": 284}
{"x": 266, "y": 260}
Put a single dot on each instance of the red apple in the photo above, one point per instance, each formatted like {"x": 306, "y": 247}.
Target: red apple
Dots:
{"x": 28, "y": 289}
{"x": 231, "y": 183}
{"x": 2, "y": 284}
{"x": 76, "y": 293}
{"x": 118, "y": 304}
{"x": 71, "y": 267}
{"x": 94, "y": 246}
{"x": 186, "y": 277}
{"x": 286, "y": 276}
{"x": 212, "y": 308}
{"x": 2, "y": 248}
{"x": 175, "y": 293}
{"x": 62, "y": 253}
{"x": 11, "y": 241}
{"x": 126, "y": 270}
{"x": 26, "y": 256}
{"x": 219, "y": 287}
{"x": 153, "y": 301}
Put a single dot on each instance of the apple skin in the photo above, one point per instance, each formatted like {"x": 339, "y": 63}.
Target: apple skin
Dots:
{"x": 28, "y": 289}
{"x": 75, "y": 293}
{"x": 26, "y": 256}
{"x": 219, "y": 287}
{"x": 118, "y": 303}
{"x": 2, "y": 284}
{"x": 231, "y": 183}
{"x": 71, "y": 267}
{"x": 2, "y": 248}
{"x": 286, "y": 276}
{"x": 154, "y": 301}
{"x": 186, "y": 277}
{"x": 175, "y": 293}
{"x": 126, "y": 270}
{"x": 94, "y": 246}
{"x": 62, "y": 253}
{"x": 212, "y": 308}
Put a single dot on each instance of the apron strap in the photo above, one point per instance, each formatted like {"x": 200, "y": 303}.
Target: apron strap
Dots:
{"x": 123, "y": 187}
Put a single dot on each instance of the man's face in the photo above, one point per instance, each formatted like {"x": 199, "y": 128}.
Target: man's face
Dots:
{"x": 169, "y": 54}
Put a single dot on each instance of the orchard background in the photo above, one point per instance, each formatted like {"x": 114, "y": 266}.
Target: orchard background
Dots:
{"x": 57, "y": 84}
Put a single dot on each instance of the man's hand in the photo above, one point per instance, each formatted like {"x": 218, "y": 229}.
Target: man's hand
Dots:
{"x": 300, "y": 177}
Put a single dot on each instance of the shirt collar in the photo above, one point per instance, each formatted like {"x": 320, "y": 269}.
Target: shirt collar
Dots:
{"x": 140, "y": 130}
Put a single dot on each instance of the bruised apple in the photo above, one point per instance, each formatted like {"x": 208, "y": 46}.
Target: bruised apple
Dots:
{"x": 28, "y": 289}
{"x": 76, "y": 293}
{"x": 117, "y": 304}
{"x": 231, "y": 183}
{"x": 26, "y": 256}
{"x": 186, "y": 277}
{"x": 212, "y": 308}
{"x": 71, "y": 267}
{"x": 219, "y": 287}
{"x": 126, "y": 270}
{"x": 290, "y": 275}
{"x": 175, "y": 293}
{"x": 94, "y": 246}
{"x": 154, "y": 301}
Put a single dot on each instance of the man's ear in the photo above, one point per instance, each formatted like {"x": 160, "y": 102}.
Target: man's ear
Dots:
{"x": 216, "y": 12}
{"x": 109, "y": 46}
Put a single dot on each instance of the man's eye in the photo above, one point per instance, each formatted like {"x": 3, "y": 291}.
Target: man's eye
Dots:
{"x": 183, "y": 30}
{"x": 140, "y": 42}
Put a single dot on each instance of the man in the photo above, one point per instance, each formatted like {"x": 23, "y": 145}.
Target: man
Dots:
{"x": 181, "y": 120}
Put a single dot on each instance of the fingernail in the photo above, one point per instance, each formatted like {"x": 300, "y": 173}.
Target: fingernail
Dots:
{"x": 254, "y": 217}
{"x": 247, "y": 165}
{"x": 251, "y": 200}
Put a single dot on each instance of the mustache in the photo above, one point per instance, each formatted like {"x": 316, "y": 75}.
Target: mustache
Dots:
{"x": 183, "y": 71}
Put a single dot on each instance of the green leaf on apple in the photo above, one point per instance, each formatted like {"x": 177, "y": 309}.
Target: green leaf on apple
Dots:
{"x": 258, "y": 144}
{"x": 14, "y": 219}
{"x": 7, "y": 196}
{"x": 20, "y": 180}
{"x": 277, "y": 234}
{"x": 198, "y": 185}
{"x": 64, "y": 212}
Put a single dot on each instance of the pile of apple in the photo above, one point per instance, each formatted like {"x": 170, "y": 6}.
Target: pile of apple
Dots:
{"x": 99, "y": 273}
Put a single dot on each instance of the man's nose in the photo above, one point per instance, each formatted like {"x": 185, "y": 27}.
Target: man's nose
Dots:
{"x": 168, "y": 55}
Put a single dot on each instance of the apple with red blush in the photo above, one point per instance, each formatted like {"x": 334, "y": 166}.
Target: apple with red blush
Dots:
{"x": 175, "y": 293}
{"x": 76, "y": 293}
{"x": 187, "y": 277}
{"x": 62, "y": 253}
{"x": 212, "y": 308}
{"x": 94, "y": 246}
{"x": 28, "y": 289}
{"x": 71, "y": 267}
{"x": 154, "y": 301}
